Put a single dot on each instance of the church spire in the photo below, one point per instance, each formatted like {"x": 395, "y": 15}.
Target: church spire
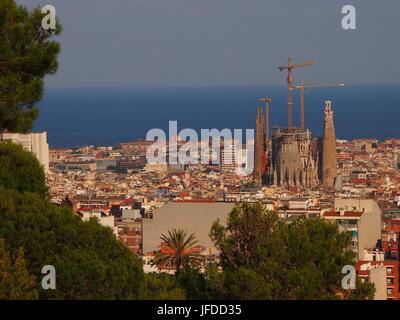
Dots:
{"x": 259, "y": 149}
{"x": 329, "y": 161}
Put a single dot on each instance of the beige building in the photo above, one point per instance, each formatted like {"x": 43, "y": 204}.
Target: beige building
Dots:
{"x": 32, "y": 142}
{"x": 80, "y": 166}
{"x": 373, "y": 269}
{"x": 377, "y": 276}
{"x": 193, "y": 217}
{"x": 360, "y": 217}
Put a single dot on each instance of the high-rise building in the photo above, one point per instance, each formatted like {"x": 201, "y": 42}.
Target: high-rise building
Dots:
{"x": 228, "y": 157}
{"x": 329, "y": 161}
{"x": 32, "y": 142}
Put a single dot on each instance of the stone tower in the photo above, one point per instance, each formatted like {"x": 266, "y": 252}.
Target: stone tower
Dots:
{"x": 329, "y": 161}
{"x": 292, "y": 159}
{"x": 259, "y": 149}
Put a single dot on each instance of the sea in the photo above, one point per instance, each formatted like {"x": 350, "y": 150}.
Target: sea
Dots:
{"x": 74, "y": 117}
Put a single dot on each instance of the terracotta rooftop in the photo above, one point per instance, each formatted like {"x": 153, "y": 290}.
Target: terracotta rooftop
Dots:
{"x": 195, "y": 201}
{"x": 345, "y": 214}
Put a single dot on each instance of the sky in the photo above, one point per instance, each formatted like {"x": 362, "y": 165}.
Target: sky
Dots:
{"x": 144, "y": 43}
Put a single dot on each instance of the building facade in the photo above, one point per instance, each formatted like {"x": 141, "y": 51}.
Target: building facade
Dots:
{"x": 292, "y": 159}
{"x": 35, "y": 142}
{"x": 362, "y": 218}
{"x": 193, "y": 217}
{"x": 387, "y": 284}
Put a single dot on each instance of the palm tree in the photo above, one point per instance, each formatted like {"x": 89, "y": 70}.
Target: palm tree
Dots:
{"x": 179, "y": 251}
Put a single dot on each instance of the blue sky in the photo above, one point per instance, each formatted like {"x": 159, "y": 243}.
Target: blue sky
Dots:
{"x": 223, "y": 42}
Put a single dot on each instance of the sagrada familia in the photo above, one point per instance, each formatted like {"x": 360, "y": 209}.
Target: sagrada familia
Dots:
{"x": 292, "y": 157}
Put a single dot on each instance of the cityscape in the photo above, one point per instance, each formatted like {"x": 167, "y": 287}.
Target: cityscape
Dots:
{"x": 223, "y": 224}
{"x": 352, "y": 182}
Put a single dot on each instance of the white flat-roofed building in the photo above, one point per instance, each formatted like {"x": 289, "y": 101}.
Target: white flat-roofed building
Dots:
{"x": 106, "y": 220}
{"x": 35, "y": 142}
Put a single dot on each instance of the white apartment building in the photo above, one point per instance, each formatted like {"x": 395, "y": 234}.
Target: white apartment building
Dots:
{"x": 105, "y": 220}
{"x": 35, "y": 142}
{"x": 360, "y": 217}
{"x": 234, "y": 159}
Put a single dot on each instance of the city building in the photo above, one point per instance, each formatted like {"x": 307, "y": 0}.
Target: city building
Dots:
{"x": 104, "y": 219}
{"x": 384, "y": 273}
{"x": 360, "y": 217}
{"x": 192, "y": 216}
{"x": 130, "y": 234}
{"x": 35, "y": 142}
{"x": 77, "y": 166}
{"x": 228, "y": 157}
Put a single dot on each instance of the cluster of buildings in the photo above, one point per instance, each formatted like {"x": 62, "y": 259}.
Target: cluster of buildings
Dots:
{"x": 141, "y": 202}
{"x": 353, "y": 183}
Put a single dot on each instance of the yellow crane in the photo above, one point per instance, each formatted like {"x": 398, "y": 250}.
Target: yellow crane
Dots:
{"x": 289, "y": 67}
{"x": 302, "y": 88}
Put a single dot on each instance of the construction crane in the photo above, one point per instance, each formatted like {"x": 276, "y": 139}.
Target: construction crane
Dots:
{"x": 302, "y": 88}
{"x": 267, "y": 102}
{"x": 289, "y": 67}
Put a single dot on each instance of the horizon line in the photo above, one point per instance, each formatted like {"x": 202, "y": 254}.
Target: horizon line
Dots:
{"x": 198, "y": 86}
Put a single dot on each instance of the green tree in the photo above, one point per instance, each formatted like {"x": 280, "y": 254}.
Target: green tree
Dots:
{"x": 15, "y": 281}
{"x": 90, "y": 262}
{"x": 27, "y": 55}
{"x": 207, "y": 285}
{"x": 250, "y": 235}
{"x": 20, "y": 170}
{"x": 315, "y": 253}
{"x": 363, "y": 291}
{"x": 179, "y": 251}
{"x": 264, "y": 258}
{"x": 246, "y": 284}
{"x": 163, "y": 286}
